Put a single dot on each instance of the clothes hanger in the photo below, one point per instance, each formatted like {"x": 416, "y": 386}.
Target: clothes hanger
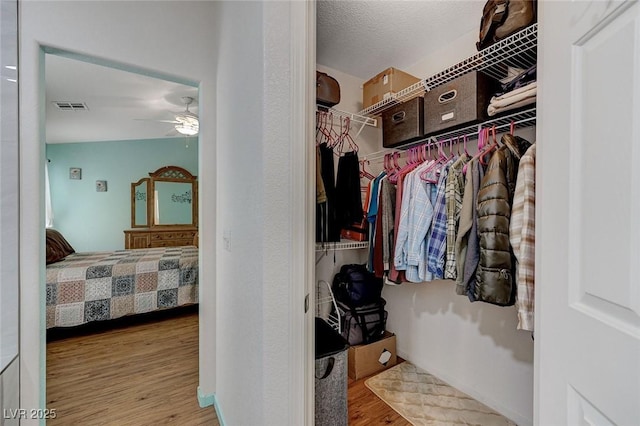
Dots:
{"x": 433, "y": 167}
{"x": 339, "y": 139}
{"x": 482, "y": 136}
{"x": 334, "y": 137}
{"x": 451, "y": 153}
{"x": 326, "y": 134}
{"x": 320, "y": 127}
{"x": 409, "y": 165}
{"x": 465, "y": 146}
{"x": 352, "y": 145}
{"x": 363, "y": 171}
{"x": 488, "y": 136}
{"x": 491, "y": 147}
{"x": 322, "y": 131}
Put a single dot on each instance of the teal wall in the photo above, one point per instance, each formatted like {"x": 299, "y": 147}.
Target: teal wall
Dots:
{"x": 95, "y": 221}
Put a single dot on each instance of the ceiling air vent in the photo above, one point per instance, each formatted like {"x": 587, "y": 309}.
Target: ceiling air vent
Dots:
{"x": 71, "y": 106}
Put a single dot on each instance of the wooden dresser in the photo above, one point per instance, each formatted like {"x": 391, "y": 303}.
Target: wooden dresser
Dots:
{"x": 159, "y": 237}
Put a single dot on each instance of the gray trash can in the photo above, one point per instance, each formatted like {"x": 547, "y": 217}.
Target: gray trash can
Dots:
{"x": 331, "y": 376}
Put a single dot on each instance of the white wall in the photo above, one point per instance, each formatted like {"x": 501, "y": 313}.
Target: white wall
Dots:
{"x": 9, "y": 216}
{"x": 473, "y": 346}
{"x": 148, "y": 35}
{"x": 241, "y": 54}
{"x": 240, "y": 214}
{"x": 257, "y": 364}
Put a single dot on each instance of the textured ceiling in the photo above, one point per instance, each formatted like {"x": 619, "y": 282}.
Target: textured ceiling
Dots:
{"x": 116, "y": 100}
{"x": 362, "y": 38}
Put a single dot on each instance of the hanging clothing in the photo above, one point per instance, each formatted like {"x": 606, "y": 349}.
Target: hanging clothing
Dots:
{"x": 438, "y": 235}
{"x": 348, "y": 198}
{"x": 321, "y": 194}
{"x": 327, "y": 229}
{"x": 372, "y": 210}
{"x": 378, "y": 264}
{"x": 453, "y": 202}
{"x": 388, "y": 198}
{"x": 372, "y": 216}
{"x": 467, "y": 240}
{"x": 421, "y": 216}
{"x": 395, "y": 275}
{"x": 522, "y": 232}
{"x": 495, "y": 274}
{"x": 401, "y": 249}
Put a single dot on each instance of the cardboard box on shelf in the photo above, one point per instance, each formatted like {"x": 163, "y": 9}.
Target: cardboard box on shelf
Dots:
{"x": 365, "y": 360}
{"x": 384, "y": 84}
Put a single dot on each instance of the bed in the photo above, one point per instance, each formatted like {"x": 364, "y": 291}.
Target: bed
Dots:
{"x": 98, "y": 286}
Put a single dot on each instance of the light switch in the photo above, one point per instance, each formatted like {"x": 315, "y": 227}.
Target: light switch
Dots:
{"x": 226, "y": 239}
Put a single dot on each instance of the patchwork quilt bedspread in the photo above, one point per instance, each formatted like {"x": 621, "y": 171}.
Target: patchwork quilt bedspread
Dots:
{"x": 95, "y": 286}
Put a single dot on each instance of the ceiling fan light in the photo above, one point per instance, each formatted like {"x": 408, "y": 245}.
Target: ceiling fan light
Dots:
{"x": 188, "y": 129}
{"x": 187, "y": 125}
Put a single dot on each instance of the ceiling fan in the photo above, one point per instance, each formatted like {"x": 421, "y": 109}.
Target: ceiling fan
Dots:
{"x": 185, "y": 122}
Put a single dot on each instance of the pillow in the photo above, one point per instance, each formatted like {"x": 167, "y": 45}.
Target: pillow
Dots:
{"x": 57, "y": 247}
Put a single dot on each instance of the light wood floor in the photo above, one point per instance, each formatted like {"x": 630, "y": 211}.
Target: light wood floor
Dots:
{"x": 366, "y": 409}
{"x": 147, "y": 374}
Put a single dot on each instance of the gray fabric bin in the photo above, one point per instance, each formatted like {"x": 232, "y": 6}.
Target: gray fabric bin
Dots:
{"x": 331, "y": 376}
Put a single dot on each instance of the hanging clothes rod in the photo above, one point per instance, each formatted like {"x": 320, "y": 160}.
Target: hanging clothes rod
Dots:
{"x": 525, "y": 118}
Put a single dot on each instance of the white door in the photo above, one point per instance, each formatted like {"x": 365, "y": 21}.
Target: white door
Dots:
{"x": 588, "y": 214}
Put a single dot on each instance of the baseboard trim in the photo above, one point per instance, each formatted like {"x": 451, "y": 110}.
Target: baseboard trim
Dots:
{"x": 205, "y": 400}
{"x": 208, "y": 400}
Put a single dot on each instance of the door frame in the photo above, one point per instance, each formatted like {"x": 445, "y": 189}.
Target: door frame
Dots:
{"x": 32, "y": 382}
{"x": 303, "y": 65}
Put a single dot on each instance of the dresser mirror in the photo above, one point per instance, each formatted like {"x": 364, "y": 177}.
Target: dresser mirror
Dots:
{"x": 167, "y": 198}
{"x": 140, "y": 203}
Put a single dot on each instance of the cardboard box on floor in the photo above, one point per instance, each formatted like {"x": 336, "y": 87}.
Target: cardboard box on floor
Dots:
{"x": 384, "y": 84}
{"x": 365, "y": 360}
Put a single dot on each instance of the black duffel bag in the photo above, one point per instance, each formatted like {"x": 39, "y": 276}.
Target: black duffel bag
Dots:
{"x": 364, "y": 324}
{"x": 355, "y": 286}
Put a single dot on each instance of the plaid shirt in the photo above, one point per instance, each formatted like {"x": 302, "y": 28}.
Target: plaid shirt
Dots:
{"x": 438, "y": 237}
{"x": 522, "y": 237}
{"x": 453, "y": 201}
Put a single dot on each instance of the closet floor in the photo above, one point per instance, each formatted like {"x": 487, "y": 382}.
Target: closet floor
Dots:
{"x": 365, "y": 408}
{"x": 142, "y": 374}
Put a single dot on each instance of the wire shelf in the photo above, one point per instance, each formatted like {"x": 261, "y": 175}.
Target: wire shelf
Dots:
{"x": 342, "y": 245}
{"x": 516, "y": 51}
{"x": 356, "y": 118}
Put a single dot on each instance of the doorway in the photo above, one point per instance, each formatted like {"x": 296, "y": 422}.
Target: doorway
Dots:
{"x": 111, "y": 125}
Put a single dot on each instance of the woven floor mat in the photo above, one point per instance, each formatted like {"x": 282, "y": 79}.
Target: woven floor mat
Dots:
{"x": 423, "y": 399}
